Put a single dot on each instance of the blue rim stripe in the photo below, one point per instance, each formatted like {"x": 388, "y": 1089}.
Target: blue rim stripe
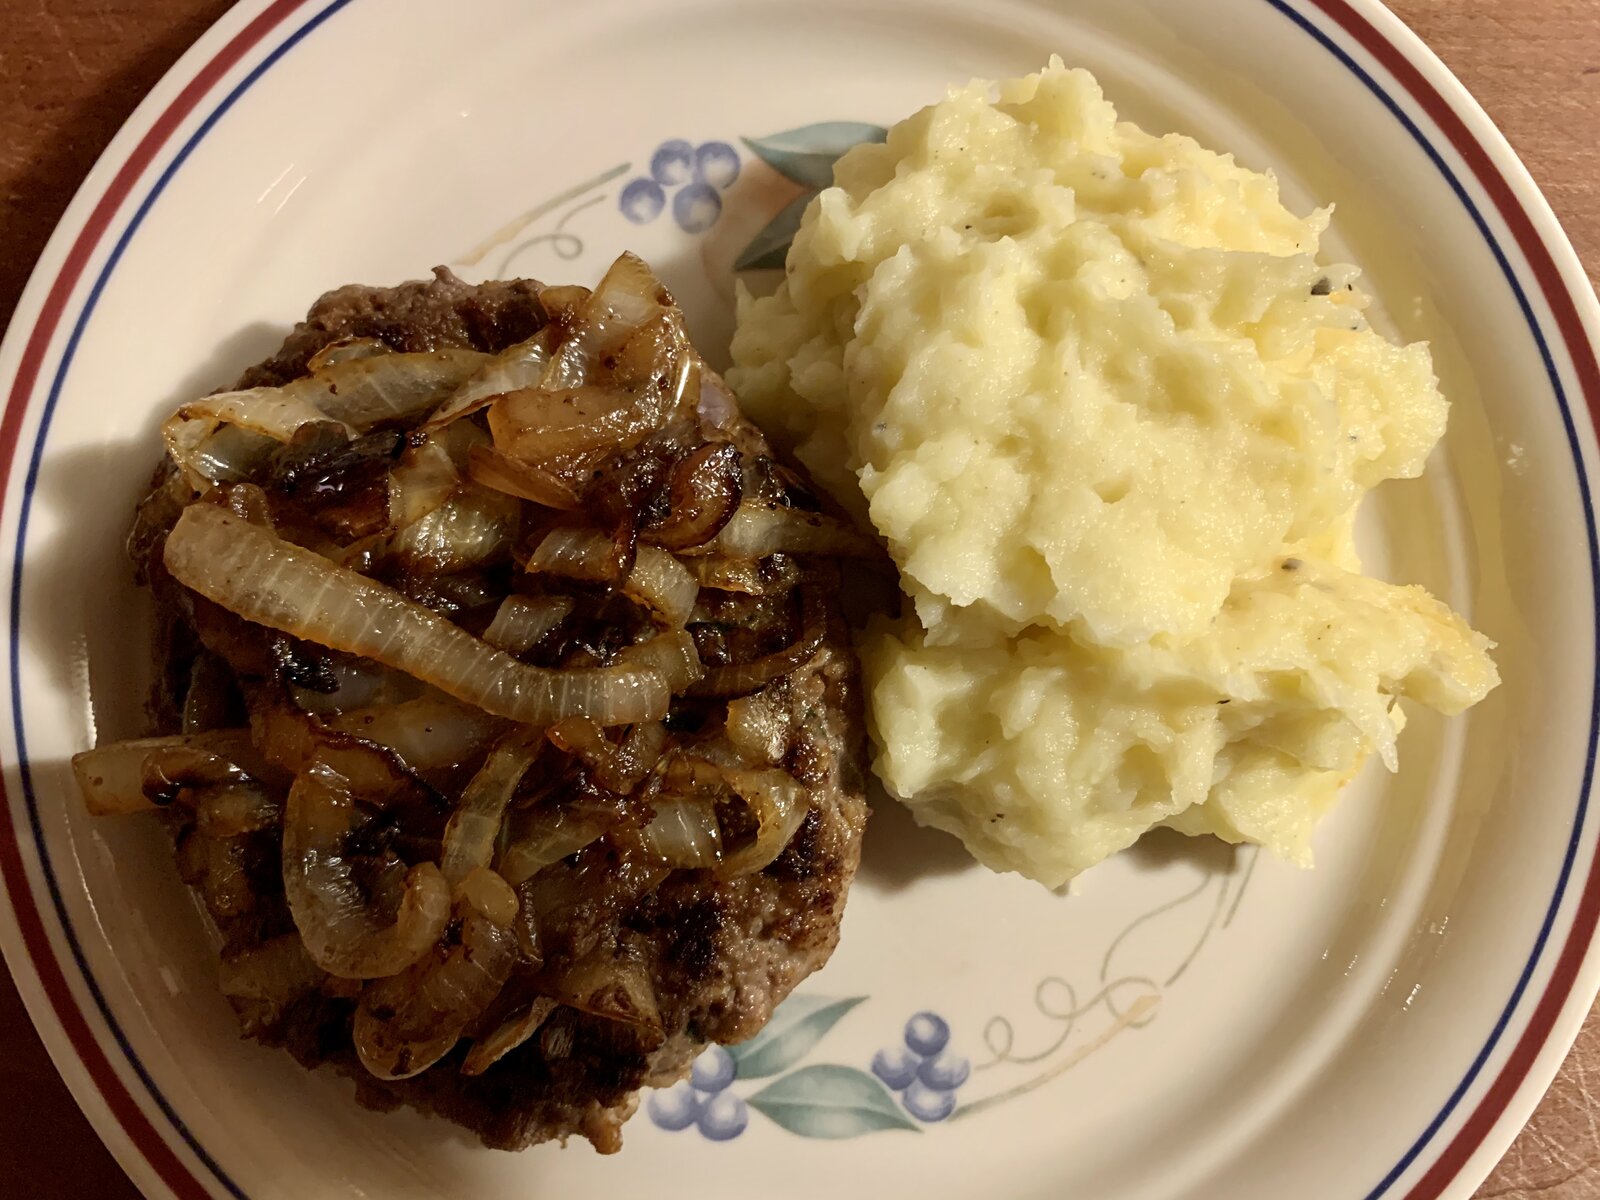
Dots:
{"x": 34, "y": 820}
{"x": 1285, "y": 8}
{"x": 1581, "y": 817}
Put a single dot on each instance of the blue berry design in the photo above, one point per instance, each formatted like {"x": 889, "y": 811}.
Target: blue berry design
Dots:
{"x": 691, "y": 177}
{"x": 896, "y": 1066}
{"x": 717, "y": 164}
{"x": 672, "y": 165}
{"x": 922, "y": 1070}
{"x": 703, "y": 1100}
{"x": 928, "y": 1104}
{"x": 724, "y": 1117}
{"x": 944, "y": 1072}
{"x": 642, "y": 201}
{"x": 927, "y": 1033}
{"x": 676, "y": 1107}
{"x": 696, "y": 207}
{"x": 713, "y": 1070}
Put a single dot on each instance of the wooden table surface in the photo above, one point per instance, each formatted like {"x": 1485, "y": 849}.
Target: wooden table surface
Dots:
{"x": 72, "y": 70}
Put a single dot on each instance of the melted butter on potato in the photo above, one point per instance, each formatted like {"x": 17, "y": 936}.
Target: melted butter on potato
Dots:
{"x": 1113, "y": 420}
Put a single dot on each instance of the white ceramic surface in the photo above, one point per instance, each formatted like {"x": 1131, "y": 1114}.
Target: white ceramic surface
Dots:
{"x": 1193, "y": 1022}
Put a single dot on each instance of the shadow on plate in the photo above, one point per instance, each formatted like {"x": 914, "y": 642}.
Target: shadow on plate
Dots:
{"x": 86, "y": 622}
{"x": 1161, "y": 849}
{"x": 896, "y": 852}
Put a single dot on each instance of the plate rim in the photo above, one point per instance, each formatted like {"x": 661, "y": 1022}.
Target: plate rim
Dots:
{"x": 73, "y": 1034}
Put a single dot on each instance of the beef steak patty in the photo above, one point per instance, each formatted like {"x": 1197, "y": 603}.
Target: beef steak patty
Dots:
{"x": 717, "y": 951}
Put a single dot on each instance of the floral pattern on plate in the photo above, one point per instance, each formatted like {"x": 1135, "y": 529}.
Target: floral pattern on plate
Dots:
{"x": 920, "y": 1077}
{"x": 694, "y": 177}
{"x": 688, "y": 181}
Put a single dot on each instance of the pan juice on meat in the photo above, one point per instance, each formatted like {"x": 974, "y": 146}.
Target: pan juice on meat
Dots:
{"x": 508, "y": 727}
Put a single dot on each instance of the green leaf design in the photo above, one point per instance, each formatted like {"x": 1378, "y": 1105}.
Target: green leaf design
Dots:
{"x": 828, "y": 1101}
{"x": 807, "y": 154}
{"x": 770, "y": 247}
{"x": 795, "y": 1028}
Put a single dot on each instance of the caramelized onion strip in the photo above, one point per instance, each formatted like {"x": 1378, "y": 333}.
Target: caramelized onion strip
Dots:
{"x": 684, "y": 832}
{"x": 703, "y": 494}
{"x": 342, "y": 933}
{"x": 264, "y": 579}
{"x": 469, "y": 838}
{"x": 521, "y": 366}
{"x": 755, "y": 531}
{"x": 778, "y": 802}
{"x": 511, "y": 1033}
{"x": 547, "y": 836}
{"x": 406, "y": 1024}
{"x": 658, "y": 580}
{"x": 521, "y": 622}
{"x": 526, "y": 481}
{"x": 130, "y": 776}
{"x": 740, "y": 679}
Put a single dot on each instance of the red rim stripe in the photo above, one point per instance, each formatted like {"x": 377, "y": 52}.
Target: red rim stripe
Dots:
{"x": 123, "y": 1107}
{"x": 1483, "y": 1119}
{"x": 143, "y": 1135}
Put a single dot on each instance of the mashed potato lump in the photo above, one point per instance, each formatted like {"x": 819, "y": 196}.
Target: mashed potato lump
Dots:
{"x": 1113, "y": 420}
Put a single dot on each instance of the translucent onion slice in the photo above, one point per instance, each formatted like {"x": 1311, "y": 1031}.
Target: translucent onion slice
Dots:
{"x": 768, "y": 576}
{"x": 401, "y": 388}
{"x": 474, "y": 828}
{"x": 144, "y": 773}
{"x": 628, "y": 296}
{"x": 527, "y": 481}
{"x": 779, "y": 803}
{"x": 623, "y": 366}
{"x": 536, "y": 425}
{"x": 547, "y": 836}
{"x": 683, "y": 833}
{"x": 293, "y": 740}
{"x": 216, "y": 868}
{"x": 563, "y": 301}
{"x": 476, "y": 526}
{"x": 429, "y": 733}
{"x": 658, "y": 580}
{"x": 618, "y": 767}
{"x": 571, "y": 553}
{"x": 521, "y": 622}
{"x": 232, "y": 809}
{"x": 507, "y": 1036}
{"x": 229, "y": 454}
{"x": 616, "y": 988}
{"x": 671, "y": 655}
{"x": 346, "y": 350}
{"x": 360, "y": 684}
{"x": 406, "y": 1024}
{"x": 264, "y": 579}
{"x": 485, "y": 892}
{"x": 755, "y": 531}
{"x": 354, "y": 395}
{"x": 222, "y": 437}
{"x": 425, "y": 478}
{"x": 717, "y": 409}
{"x": 703, "y": 493}
{"x": 343, "y": 934}
{"x": 521, "y": 366}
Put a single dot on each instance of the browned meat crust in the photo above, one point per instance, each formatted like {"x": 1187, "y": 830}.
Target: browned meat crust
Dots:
{"x": 721, "y": 952}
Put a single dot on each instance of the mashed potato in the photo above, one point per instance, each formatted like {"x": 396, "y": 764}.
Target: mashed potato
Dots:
{"x": 1113, "y": 420}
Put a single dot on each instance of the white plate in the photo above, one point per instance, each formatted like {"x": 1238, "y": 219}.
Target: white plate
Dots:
{"x": 1193, "y": 1022}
